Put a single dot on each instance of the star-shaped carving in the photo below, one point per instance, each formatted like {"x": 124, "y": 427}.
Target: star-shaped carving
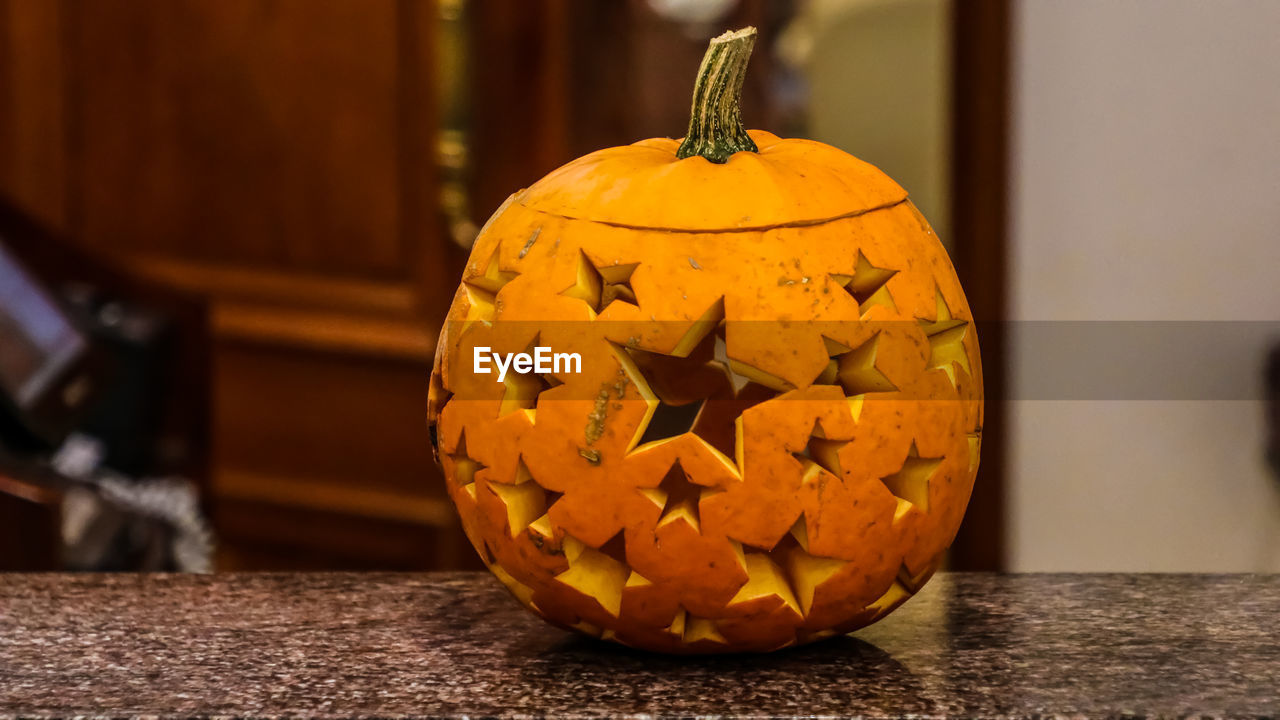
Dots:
{"x": 617, "y": 284}
{"x": 483, "y": 286}
{"x": 892, "y": 598}
{"x": 521, "y": 390}
{"x": 678, "y": 387}
{"x": 975, "y": 448}
{"x": 694, "y": 394}
{"x": 541, "y": 531}
{"x": 691, "y": 389}
{"x": 820, "y": 454}
{"x": 867, "y": 285}
{"x": 914, "y": 581}
{"x": 616, "y": 548}
{"x": 854, "y": 369}
{"x": 465, "y": 467}
{"x": 831, "y": 373}
{"x": 678, "y": 498}
{"x": 670, "y": 421}
{"x": 594, "y": 574}
{"x": 765, "y": 578}
{"x": 598, "y": 286}
{"x": 946, "y": 341}
{"x": 525, "y": 502}
{"x": 807, "y": 571}
{"x": 911, "y": 484}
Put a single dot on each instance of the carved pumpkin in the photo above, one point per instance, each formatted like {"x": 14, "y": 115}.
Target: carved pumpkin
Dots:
{"x": 776, "y": 425}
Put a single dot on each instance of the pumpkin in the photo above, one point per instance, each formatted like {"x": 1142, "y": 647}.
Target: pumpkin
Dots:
{"x": 774, "y": 429}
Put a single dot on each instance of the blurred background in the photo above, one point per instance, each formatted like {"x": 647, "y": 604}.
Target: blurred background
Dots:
{"x": 229, "y": 231}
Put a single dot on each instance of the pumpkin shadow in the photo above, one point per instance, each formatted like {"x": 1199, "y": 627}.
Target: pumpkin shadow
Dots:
{"x": 828, "y": 676}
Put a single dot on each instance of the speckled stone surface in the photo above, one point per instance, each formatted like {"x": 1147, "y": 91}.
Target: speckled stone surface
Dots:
{"x": 456, "y": 645}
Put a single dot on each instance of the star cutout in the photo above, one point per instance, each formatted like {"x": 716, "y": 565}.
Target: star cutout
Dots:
{"x": 693, "y": 389}
{"x": 946, "y": 341}
{"x": 677, "y": 388}
{"x": 437, "y": 397}
{"x": 975, "y": 448}
{"x": 540, "y": 530}
{"x": 867, "y": 285}
{"x": 598, "y": 286}
{"x": 465, "y": 467}
{"x": 521, "y": 390}
{"x": 765, "y": 578}
{"x": 892, "y": 598}
{"x": 617, "y": 284}
{"x": 493, "y": 278}
{"x": 678, "y": 498}
{"x": 670, "y": 421}
{"x": 693, "y": 394}
{"x": 807, "y": 571}
{"x": 525, "y": 503}
{"x": 914, "y": 581}
{"x": 616, "y": 548}
{"x": 911, "y": 484}
{"x": 820, "y": 454}
{"x": 855, "y": 369}
{"x": 594, "y": 574}
{"x": 482, "y": 288}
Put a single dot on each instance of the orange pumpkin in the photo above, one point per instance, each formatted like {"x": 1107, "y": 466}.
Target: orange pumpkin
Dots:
{"x": 775, "y": 427}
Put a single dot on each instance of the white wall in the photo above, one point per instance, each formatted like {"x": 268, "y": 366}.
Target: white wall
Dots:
{"x": 1146, "y": 186}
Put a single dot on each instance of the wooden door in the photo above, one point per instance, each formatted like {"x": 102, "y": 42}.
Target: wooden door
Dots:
{"x": 275, "y": 157}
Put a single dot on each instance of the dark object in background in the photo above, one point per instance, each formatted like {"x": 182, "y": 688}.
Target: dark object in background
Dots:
{"x": 95, "y": 368}
{"x": 87, "y": 362}
{"x": 99, "y": 522}
{"x": 49, "y": 372}
{"x": 148, "y": 327}
{"x": 145, "y": 350}
{"x": 139, "y": 345}
{"x": 1273, "y": 411}
{"x": 114, "y": 522}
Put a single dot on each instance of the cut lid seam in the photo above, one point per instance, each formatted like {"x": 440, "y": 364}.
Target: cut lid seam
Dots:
{"x": 752, "y": 228}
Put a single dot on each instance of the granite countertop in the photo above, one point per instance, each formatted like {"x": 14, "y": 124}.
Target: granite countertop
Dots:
{"x": 456, "y": 645}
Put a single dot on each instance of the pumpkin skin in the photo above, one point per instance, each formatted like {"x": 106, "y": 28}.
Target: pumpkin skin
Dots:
{"x": 837, "y": 444}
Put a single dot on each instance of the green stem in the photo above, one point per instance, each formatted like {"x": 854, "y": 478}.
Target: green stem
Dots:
{"x": 715, "y": 122}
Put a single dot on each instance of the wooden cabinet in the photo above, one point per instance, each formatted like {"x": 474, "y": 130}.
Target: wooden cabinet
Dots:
{"x": 277, "y": 158}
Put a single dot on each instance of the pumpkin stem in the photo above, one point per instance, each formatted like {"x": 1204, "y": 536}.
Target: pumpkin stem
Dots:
{"x": 715, "y": 122}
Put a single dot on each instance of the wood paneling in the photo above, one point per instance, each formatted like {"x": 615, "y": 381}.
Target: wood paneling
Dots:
{"x": 274, "y": 157}
{"x": 240, "y": 131}
{"x": 33, "y": 148}
{"x": 519, "y": 98}
{"x": 326, "y": 417}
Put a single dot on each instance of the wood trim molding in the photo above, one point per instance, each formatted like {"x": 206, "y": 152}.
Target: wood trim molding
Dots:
{"x": 344, "y": 333}
{"x": 378, "y": 319}
{"x": 278, "y": 287}
{"x": 980, "y": 125}
{"x": 322, "y": 496}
